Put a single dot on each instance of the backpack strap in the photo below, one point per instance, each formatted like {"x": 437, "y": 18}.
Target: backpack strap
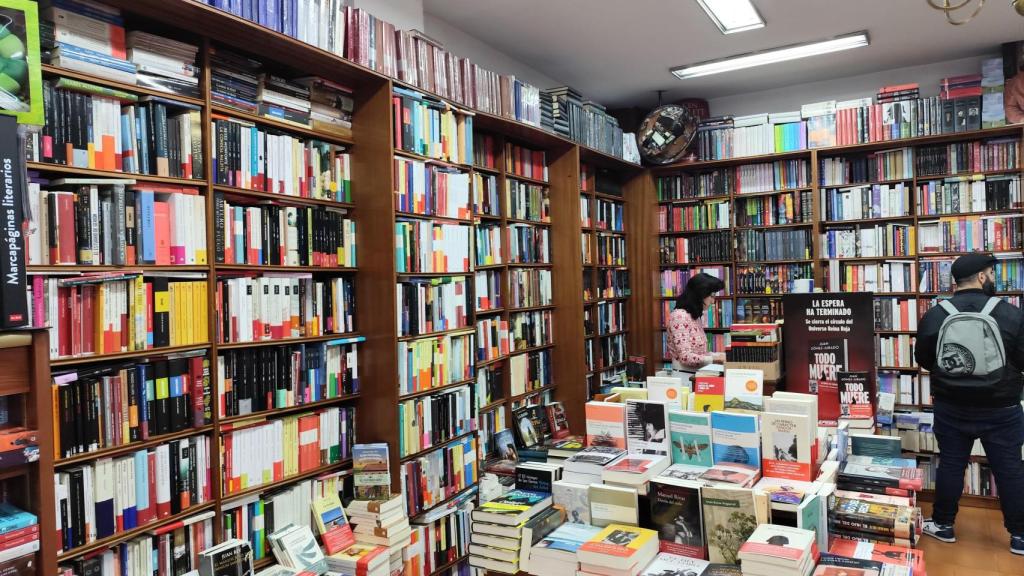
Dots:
{"x": 948, "y": 307}
{"x": 990, "y": 305}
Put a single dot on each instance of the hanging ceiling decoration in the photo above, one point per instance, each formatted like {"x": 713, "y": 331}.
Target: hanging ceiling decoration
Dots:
{"x": 957, "y": 13}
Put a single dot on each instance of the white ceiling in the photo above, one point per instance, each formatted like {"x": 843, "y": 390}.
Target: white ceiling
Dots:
{"x": 619, "y": 52}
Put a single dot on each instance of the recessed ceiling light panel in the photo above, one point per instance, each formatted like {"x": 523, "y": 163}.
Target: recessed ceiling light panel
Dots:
{"x": 732, "y": 16}
{"x": 772, "y": 56}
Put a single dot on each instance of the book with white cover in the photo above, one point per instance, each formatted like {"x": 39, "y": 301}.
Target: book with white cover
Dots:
{"x": 786, "y": 444}
{"x": 647, "y": 427}
{"x": 634, "y": 470}
{"x": 744, "y": 390}
{"x": 781, "y": 546}
{"x": 574, "y": 499}
{"x": 613, "y": 504}
{"x": 665, "y": 564}
{"x": 668, "y": 389}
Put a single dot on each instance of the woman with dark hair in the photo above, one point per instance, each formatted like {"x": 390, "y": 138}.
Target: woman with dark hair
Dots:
{"x": 687, "y": 344}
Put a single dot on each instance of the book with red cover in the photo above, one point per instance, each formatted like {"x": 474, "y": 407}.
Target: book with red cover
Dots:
{"x": 884, "y": 553}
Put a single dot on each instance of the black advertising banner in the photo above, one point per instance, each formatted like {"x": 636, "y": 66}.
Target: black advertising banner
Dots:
{"x": 13, "y": 302}
{"x": 825, "y": 334}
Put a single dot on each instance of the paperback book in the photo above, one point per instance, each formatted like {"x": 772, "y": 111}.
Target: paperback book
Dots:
{"x": 646, "y": 428}
{"x": 690, "y": 435}
{"x": 676, "y": 515}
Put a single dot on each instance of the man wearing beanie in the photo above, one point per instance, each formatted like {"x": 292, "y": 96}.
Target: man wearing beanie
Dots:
{"x": 973, "y": 400}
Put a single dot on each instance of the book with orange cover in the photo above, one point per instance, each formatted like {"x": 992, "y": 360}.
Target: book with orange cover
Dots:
{"x": 606, "y": 424}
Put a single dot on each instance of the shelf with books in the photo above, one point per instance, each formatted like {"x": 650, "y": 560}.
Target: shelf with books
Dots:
{"x": 281, "y": 125}
{"x": 291, "y": 409}
{"x": 284, "y": 199}
{"x": 739, "y": 195}
{"x": 437, "y": 389}
{"x": 441, "y": 219}
{"x": 86, "y": 268}
{"x": 486, "y": 170}
{"x": 490, "y": 311}
{"x": 131, "y": 447}
{"x": 440, "y": 445}
{"x": 696, "y": 264}
{"x": 449, "y": 332}
{"x": 60, "y": 362}
{"x": 429, "y": 160}
{"x": 94, "y": 173}
{"x": 492, "y": 406}
{"x": 867, "y": 221}
{"x": 50, "y": 70}
{"x": 443, "y": 503}
{"x": 969, "y": 174}
{"x": 739, "y": 160}
{"x": 881, "y": 182}
{"x": 443, "y": 570}
{"x": 923, "y": 218}
{"x": 278, "y": 268}
{"x": 231, "y": 496}
{"x": 282, "y": 341}
{"x": 529, "y": 393}
{"x": 531, "y": 309}
{"x": 129, "y": 534}
{"x": 526, "y": 179}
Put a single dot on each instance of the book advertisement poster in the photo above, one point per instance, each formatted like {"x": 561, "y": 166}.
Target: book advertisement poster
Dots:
{"x": 825, "y": 334}
{"x": 21, "y": 80}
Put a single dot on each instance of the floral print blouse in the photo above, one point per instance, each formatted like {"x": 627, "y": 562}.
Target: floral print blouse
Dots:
{"x": 687, "y": 344}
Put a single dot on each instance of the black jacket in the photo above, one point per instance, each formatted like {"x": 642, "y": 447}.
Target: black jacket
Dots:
{"x": 1011, "y": 325}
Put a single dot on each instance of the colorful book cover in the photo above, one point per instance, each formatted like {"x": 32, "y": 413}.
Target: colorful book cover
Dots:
{"x": 825, "y": 359}
{"x": 526, "y": 430}
{"x": 574, "y": 499}
{"x": 786, "y": 446}
{"x": 744, "y": 390}
{"x": 618, "y": 540}
{"x": 708, "y": 393}
{"x": 735, "y": 438}
{"x": 791, "y": 544}
{"x": 884, "y": 553}
{"x": 21, "y": 79}
{"x": 606, "y": 424}
{"x": 505, "y": 445}
{"x": 732, "y": 473}
{"x": 729, "y": 519}
{"x": 690, "y": 435}
{"x": 557, "y": 421}
{"x": 569, "y": 537}
{"x": 676, "y": 515}
{"x": 647, "y": 428}
{"x": 335, "y": 531}
{"x": 855, "y": 396}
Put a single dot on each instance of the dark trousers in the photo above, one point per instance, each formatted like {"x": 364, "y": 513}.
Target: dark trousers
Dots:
{"x": 1001, "y": 431}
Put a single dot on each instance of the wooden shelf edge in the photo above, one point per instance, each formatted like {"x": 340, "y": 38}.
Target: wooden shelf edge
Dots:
{"x": 137, "y": 531}
{"x": 290, "y": 409}
{"x": 132, "y": 447}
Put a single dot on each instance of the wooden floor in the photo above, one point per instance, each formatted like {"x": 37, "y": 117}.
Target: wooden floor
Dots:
{"x": 982, "y": 547}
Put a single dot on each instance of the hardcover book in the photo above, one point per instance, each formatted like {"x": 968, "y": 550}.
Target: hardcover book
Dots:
{"x": 647, "y": 428}
{"x": 676, "y": 515}
{"x": 690, "y": 435}
{"x": 557, "y": 422}
{"x": 729, "y": 519}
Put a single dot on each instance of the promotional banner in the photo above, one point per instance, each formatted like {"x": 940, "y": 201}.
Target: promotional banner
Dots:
{"x": 825, "y": 334}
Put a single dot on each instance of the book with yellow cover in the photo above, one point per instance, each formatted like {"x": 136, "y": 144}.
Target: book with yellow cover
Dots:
{"x": 332, "y": 524}
{"x": 513, "y": 508}
{"x": 620, "y": 547}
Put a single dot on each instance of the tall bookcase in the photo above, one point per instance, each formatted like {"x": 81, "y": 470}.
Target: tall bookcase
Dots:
{"x": 376, "y": 278}
{"x": 900, "y": 172}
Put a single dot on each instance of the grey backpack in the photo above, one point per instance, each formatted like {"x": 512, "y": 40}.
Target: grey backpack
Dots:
{"x": 970, "y": 346}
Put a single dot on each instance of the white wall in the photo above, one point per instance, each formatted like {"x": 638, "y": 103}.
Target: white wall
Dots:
{"x": 463, "y": 44}
{"x": 404, "y": 14}
{"x": 409, "y": 15}
{"x": 791, "y": 97}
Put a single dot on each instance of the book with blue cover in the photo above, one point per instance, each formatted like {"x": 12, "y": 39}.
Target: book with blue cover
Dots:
{"x": 735, "y": 437}
{"x": 568, "y": 537}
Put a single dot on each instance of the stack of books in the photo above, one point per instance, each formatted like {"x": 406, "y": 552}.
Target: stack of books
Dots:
{"x": 618, "y": 550}
{"x": 164, "y": 64}
{"x": 665, "y": 563}
{"x": 557, "y": 105}
{"x": 779, "y": 551}
{"x": 283, "y": 99}
{"x": 964, "y": 92}
{"x": 360, "y": 560}
{"x": 555, "y": 554}
{"x": 294, "y": 547}
{"x": 331, "y": 106}
{"x": 505, "y": 528}
{"x": 587, "y": 466}
{"x": 234, "y": 81}
{"x": 90, "y": 38}
{"x": 635, "y": 471}
{"x": 382, "y": 523}
{"x": 19, "y": 536}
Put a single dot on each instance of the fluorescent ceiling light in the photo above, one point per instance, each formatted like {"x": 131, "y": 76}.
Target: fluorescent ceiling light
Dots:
{"x": 732, "y": 15}
{"x": 772, "y": 56}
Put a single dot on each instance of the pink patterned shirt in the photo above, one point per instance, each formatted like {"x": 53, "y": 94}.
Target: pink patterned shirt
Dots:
{"x": 687, "y": 344}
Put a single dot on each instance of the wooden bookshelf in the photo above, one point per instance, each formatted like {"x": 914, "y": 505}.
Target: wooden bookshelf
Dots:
{"x": 25, "y": 382}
